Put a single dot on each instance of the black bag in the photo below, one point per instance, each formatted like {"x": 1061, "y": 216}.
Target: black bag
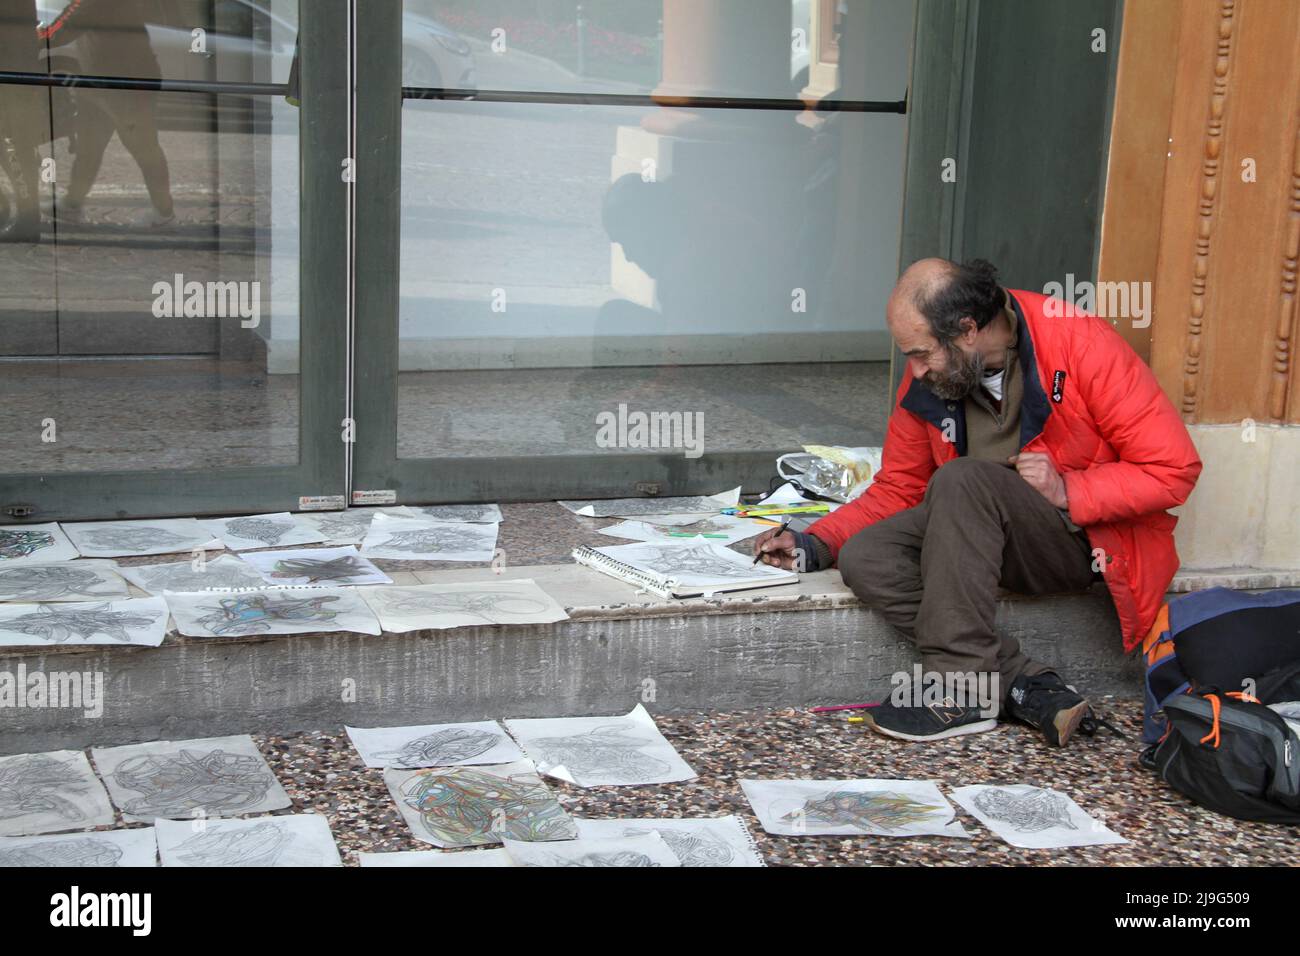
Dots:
{"x": 1231, "y": 753}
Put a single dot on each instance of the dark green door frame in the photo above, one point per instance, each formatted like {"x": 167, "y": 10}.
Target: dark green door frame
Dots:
{"x": 379, "y": 475}
{"x": 1013, "y": 92}
{"x": 321, "y": 471}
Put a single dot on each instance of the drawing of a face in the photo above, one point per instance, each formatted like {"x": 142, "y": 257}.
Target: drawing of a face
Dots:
{"x": 49, "y": 622}
{"x": 32, "y": 583}
{"x": 1027, "y": 812}
{"x": 19, "y": 543}
{"x": 132, "y": 539}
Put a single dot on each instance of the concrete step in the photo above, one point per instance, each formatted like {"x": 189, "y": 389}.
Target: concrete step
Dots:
{"x": 797, "y": 645}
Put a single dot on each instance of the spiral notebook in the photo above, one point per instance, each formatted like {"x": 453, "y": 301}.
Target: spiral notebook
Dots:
{"x": 690, "y": 569}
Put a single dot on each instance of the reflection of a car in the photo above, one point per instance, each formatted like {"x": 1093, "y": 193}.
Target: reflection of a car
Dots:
{"x": 252, "y": 43}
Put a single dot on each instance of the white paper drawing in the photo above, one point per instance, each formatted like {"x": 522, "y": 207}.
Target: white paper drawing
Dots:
{"x": 719, "y": 530}
{"x": 34, "y": 544}
{"x": 225, "y": 572}
{"x": 49, "y": 792}
{"x": 116, "y": 539}
{"x": 475, "y": 514}
{"x": 140, "y": 621}
{"x": 829, "y": 807}
{"x": 495, "y": 856}
{"x": 271, "y": 611}
{"x": 422, "y": 539}
{"x": 436, "y": 606}
{"x": 316, "y": 567}
{"x": 693, "y": 563}
{"x": 434, "y": 745}
{"x": 601, "y": 751}
{"x": 348, "y": 526}
{"x": 263, "y": 531}
{"x": 646, "y": 849}
{"x": 283, "y": 841}
{"x": 102, "y": 848}
{"x": 1033, "y": 817}
{"x": 217, "y": 776}
{"x": 697, "y": 505}
{"x": 712, "y": 841}
{"x": 65, "y": 581}
{"x": 476, "y": 806}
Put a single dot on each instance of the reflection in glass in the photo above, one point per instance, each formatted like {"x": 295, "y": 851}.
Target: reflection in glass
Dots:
{"x": 561, "y": 262}
{"x": 148, "y": 299}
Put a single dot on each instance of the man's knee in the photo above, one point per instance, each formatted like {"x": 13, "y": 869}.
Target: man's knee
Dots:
{"x": 964, "y": 477}
{"x": 869, "y": 565}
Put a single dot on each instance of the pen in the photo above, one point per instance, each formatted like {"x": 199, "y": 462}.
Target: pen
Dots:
{"x": 758, "y": 557}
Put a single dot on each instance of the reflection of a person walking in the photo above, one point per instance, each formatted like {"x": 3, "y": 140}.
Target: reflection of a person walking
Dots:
{"x": 111, "y": 40}
{"x": 22, "y": 118}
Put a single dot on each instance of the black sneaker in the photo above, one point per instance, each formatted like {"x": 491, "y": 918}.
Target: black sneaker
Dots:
{"x": 932, "y": 722}
{"x": 1048, "y": 703}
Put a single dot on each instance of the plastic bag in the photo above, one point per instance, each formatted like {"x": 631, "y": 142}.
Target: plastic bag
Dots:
{"x": 830, "y": 471}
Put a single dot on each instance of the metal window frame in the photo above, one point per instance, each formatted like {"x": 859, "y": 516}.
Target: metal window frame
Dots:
{"x": 379, "y": 475}
{"x": 322, "y": 468}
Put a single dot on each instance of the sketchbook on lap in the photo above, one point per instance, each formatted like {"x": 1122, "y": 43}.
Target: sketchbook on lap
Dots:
{"x": 682, "y": 570}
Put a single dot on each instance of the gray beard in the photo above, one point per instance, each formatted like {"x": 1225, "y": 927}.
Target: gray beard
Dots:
{"x": 960, "y": 378}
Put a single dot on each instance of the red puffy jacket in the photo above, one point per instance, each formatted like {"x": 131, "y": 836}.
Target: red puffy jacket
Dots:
{"x": 1094, "y": 407}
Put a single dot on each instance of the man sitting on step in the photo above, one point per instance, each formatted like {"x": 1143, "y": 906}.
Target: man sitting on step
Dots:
{"x": 1030, "y": 448}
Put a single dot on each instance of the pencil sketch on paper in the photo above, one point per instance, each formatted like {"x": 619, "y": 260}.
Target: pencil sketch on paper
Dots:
{"x": 132, "y": 539}
{"x": 644, "y": 849}
{"x": 1029, "y": 811}
{"x": 173, "y": 784}
{"x": 285, "y": 841}
{"x": 464, "y": 806}
{"x": 487, "y": 605}
{"x": 23, "y": 542}
{"x": 56, "y": 582}
{"x": 677, "y": 560}
{"x": 263, "y": 844}
{"x": 224, "y": 574}
{"x": 45, "y": 792}
{"x": 612, "y": 750}
{"x": 266, "y": 530}
{"x": 695, "y": 841}
{"x": 865, "y": 810}
{"x": 434, "y": 539}
{"x": 597, "y": 858}
{"x": 453, "y": 745}
{"x": 338, "y": 570}
{"x": 40, "y": 783}
{"x": 473, "y": 514}
{"x": 83, "y": 851}
{"x": 700, "y": 848}
{"x": 258, "y": 613}
{"x": 346, "y": 527}
{"x": 60, "y": 623}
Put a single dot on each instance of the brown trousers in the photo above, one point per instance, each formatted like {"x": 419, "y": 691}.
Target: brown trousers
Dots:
{"x": 933, "y": 571}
